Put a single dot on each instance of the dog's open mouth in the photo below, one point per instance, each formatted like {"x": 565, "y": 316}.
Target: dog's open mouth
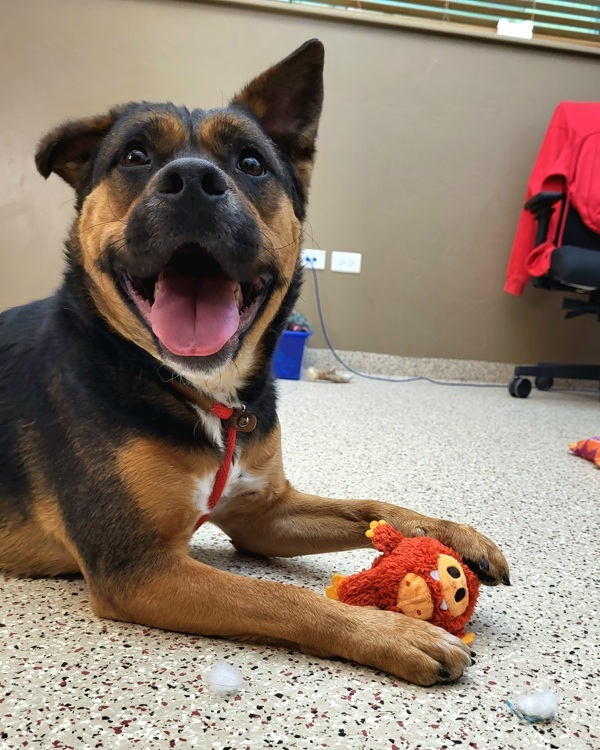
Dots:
{"x": 192, "y": 306}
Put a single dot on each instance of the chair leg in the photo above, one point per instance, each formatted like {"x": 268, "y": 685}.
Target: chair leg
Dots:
{"x": 544, "y": 374}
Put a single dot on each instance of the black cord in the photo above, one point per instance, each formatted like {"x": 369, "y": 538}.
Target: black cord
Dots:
{"x": 403, "y": 380}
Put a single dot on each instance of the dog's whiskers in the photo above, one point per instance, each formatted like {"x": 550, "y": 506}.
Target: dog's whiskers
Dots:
{"x": 99, "y": 224}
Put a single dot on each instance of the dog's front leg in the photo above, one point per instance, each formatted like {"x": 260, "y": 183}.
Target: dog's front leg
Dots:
{"x": 185, "y": 595}
{"x": 291, "y": 523}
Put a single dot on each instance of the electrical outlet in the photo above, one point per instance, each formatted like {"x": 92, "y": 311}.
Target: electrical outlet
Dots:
{"x": 314, "y": 259}
{"x": 346, "y": 262}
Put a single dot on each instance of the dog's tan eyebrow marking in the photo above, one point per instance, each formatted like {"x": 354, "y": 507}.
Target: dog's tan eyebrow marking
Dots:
{"x": 216, "y": 133}
{"x": 172, "y": 131}
{"x": 165, "y": 130}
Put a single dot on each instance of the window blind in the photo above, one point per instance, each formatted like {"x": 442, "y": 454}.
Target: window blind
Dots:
{"x": 552, "y": 19}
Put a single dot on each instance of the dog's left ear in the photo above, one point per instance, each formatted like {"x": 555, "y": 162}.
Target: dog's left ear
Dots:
{"x": 287, "y": 100}
{"x": 68, "y": 150}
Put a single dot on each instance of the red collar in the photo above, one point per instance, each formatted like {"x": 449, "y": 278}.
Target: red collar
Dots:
{"x": 234, "y": 421}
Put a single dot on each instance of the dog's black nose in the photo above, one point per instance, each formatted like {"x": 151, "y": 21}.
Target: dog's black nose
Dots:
{"x": 197, "y": 175}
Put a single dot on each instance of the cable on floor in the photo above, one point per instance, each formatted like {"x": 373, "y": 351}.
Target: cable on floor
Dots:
{"x": 414, "y": 379}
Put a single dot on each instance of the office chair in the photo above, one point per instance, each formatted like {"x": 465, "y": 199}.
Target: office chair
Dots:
{"x": 557, "y": 245}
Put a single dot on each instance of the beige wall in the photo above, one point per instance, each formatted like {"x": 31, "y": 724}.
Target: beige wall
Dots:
{"x": 425, "y": 149}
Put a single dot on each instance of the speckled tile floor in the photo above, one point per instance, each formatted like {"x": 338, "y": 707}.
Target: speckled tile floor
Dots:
{"x": 68, "y": 680}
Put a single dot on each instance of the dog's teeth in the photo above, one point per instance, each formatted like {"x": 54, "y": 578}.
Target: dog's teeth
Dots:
{"x": 238, "y": 295}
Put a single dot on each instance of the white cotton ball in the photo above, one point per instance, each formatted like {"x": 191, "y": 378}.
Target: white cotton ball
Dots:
{"x": 224, "y": 678}
{"x": 541, "y": 705}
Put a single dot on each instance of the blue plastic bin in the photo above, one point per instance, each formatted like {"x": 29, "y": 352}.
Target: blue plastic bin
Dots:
{"x": 287, "y": 362}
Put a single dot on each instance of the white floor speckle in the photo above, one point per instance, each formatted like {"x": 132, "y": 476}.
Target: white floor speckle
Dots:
{"x": 69, "y": 680}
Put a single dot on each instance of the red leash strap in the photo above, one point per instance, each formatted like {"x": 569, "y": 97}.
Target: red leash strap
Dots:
{"x": 233, "y": 420}
{"x": 224, "y": 413}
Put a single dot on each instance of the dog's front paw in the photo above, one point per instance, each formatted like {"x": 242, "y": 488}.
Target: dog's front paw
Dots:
{"x": 480, "y": 553}
{"x": 411, "y": 649}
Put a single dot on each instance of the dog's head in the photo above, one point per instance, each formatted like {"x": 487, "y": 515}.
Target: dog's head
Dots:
{"x": 188, "y": 225}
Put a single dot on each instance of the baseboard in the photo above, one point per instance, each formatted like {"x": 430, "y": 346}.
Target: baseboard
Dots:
{"x": 459, "y": 370}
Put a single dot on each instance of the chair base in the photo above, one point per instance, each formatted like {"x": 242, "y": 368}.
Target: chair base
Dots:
{"x": 544, "y": 374}
{"x": 577, "y": 307}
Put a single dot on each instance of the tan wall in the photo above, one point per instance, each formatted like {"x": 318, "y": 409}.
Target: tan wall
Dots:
{"x": 425, "y": 149}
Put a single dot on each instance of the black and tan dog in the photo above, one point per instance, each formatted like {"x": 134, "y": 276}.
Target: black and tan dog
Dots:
{"x": 182, "y": 266}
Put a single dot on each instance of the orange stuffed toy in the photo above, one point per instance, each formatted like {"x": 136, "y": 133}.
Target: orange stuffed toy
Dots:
{"x": 589, "y": 449}
{"x": 418, "y": 577}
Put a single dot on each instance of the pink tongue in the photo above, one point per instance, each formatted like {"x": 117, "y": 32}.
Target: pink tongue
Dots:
{"x": 194, "y": 317}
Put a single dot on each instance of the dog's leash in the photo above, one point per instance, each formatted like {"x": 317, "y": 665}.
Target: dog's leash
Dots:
{"x": 234, "y": 421}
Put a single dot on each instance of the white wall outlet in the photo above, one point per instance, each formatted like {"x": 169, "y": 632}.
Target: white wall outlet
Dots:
{"x": 346, "y": 262}
{"x": 314, "y": 259}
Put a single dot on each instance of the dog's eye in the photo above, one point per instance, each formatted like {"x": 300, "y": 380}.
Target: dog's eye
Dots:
{"x": 136, "y": 157}
{"x": 251, "y": 164}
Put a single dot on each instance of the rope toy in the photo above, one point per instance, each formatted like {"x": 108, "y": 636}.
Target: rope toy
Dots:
{"x": 415, "y": 576}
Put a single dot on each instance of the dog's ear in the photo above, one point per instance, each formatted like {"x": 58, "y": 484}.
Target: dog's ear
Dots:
{"x": 69, "y": 149}
{"x": 287, "y": 100}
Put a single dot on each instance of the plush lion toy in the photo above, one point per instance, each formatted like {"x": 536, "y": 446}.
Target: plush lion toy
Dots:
{"x": 418, "y": 577}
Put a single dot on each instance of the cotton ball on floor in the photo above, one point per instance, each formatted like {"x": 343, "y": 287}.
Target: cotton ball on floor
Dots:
{"x": 224, "y": 679}
{"x": 539, "y": 706}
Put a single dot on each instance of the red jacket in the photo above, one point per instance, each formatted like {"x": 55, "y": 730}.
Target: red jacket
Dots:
{"x": 568, "y": 161}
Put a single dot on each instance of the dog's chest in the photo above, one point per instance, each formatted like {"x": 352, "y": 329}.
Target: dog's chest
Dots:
{"x": 239, "y": 482}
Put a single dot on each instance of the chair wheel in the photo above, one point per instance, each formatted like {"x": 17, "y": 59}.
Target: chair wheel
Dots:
{"x": 519, "y": 387}
{"x": 544, "y": 382}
